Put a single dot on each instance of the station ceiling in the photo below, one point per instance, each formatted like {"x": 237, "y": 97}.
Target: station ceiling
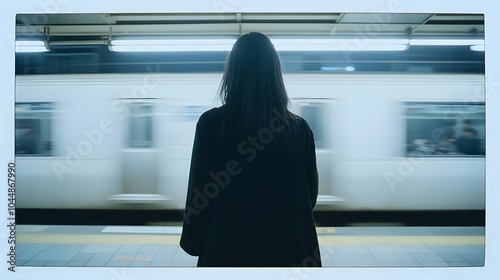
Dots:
{"x": 79, "y": 42}
{"x": 296, "y": 24}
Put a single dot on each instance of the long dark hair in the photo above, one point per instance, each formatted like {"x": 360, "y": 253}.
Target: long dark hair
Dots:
{"x": 252, "y": 87}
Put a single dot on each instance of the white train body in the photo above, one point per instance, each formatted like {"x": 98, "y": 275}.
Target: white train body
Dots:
{"x": 99, "y": 160}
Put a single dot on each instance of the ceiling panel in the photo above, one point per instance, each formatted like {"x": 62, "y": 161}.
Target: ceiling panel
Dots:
{"x": 454, "y": 17}
{"x": 385, "y": 18}
{"x": 65, "y": 19}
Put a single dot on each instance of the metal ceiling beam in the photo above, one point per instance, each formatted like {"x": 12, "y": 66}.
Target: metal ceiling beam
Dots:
{"x": 233, "y": 29}
{"x": 413, "y": 29}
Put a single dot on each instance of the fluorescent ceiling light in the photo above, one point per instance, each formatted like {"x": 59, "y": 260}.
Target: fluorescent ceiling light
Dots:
{"x": 337, "y": 68}
{"x": 183, "y": 45}
{"x": 445, "y": 42}
{"x": 177, "y": 45}
{"x": 31, "y": 46}
{"x": 340, "y": 44}
{"x": 477, "y": 48}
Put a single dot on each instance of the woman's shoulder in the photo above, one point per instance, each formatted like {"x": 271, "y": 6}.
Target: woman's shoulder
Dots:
{"x": 212, "y": 115}
{"x": 301, "y": 123}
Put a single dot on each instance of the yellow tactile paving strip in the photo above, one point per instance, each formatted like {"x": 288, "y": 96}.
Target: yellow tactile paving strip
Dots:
{"x": 339, "y": 240}
{"x": 401, "y": 240}
{"x": 325, "y": 230}
{"x": 99, "y": 239}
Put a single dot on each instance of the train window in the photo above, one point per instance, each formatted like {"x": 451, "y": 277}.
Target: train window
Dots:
{"x": 33, "y": 129}
{"x": 313, "y": 113}
{"x": 445, "y": 129}
{"x": 140, "y": 132}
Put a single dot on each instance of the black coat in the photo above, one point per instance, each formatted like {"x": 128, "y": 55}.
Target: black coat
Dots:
{"x": 250, "y": 203}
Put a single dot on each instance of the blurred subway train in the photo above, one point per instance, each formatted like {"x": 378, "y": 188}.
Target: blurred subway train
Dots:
{"x": 384, "y": 142}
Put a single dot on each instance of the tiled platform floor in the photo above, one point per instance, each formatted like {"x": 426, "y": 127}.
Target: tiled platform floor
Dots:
{"x": 97, "y": 246}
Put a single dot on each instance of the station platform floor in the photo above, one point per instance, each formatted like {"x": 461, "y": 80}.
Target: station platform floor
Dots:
{"x": 158, "y": 246}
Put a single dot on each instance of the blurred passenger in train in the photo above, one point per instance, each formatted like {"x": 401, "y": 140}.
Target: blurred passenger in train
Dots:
{"x": 467, "y": 124}
{"x": 446, "y": 144}
{"x": 420, "y": 147}
{"x": 468, "y": 143}
{"x": 27, "y": 141}
{"x": 446, "y": 147}
{"x": 253, "y": 180}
